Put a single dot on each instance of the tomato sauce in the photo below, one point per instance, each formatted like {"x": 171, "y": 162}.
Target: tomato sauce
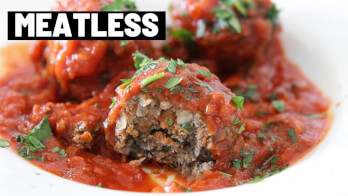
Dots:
{"x": 266, "y": 134}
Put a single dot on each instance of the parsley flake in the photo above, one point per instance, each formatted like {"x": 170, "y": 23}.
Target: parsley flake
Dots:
{"x": 4, "y": 143}
{"x": 239, "y": 101}
{"x": 292, "y": 134}
{"x": 172, "y": 82}
{"x": 279, "y": 105}
{"x": 152, "y": 79}
{"x": 113, "y": 99}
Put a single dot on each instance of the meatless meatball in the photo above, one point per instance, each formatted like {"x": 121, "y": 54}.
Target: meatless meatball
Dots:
{"x": 224, "y": 34}
{"x": 83, "y": 67}
{"x": 176, "y": 114}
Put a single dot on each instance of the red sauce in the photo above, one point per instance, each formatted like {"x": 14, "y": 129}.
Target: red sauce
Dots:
{"x": 23, "y": 89}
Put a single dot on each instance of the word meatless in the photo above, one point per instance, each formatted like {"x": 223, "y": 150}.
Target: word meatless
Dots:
{"x": 215, "y": 105}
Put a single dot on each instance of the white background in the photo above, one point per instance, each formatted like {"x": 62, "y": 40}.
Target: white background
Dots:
{"x": 315, "y": 37}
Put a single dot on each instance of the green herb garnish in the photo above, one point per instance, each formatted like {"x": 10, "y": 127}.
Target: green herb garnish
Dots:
{"x": 172, "y": 82}
{"x": 124, "y": 43}
{"x": 152, "y": 79}
{"x": 62, "y": 153}
{"x": 292, "y": 134}
{"x": 170, "y": 122}
{"x": 205, "y": 85}
{"x": 272, "y": 15}
{"x": 236, "y": 121}
{"x": 120, "y": 5}
{"x": 113, "y": 99}
{"x": 159, "y": 90}
{"x": 55, "y": 149}
{"x": 225, "y": 174}
{"x": 279, "y": 105}
{"x": 314, "y": 116}
{"x": 172, "y": 65}
{"x": 239, "y": 101}
{"x": 204, "y": 73}
{"x": 241, "y": 128}
{"x": 237, "y": 163}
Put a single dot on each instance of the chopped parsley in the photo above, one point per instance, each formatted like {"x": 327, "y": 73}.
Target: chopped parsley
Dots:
{"x": 205, "y": 85}
{"x": 96, "y": 105}
{"x": 172, "y": 65}
{"x": 292, "y": 134}
{"x": 33, "y": 141}
{"x": 271, "y": 149}
{"x": 314, "y": 116}
{"x": 236, "y": 121}
{"x": 144, "y": 90}
{"x": 241, "y": 128}
{"x": 204, "y": 73}
{"x": 159, "y": 90}
{"x": 99, "y": 185}
{"x": 140, "y": 59}
{"x": 62, "y": 153}
{"x": 192, "y": 90}
{"x": 239, "y": 101}
{"x": 180, "y": 63}
{"x": 274, "y": 160}
{"x": 120, "y": 5}
{"x": 186, "y": 36}
{"x": 151, "y": 79}
{"x": 186, "y": 126}
{"x": 237, "y": 163}
{"x": 227, "y": 18}
{"x": 4, "y": 143}
{"x": 113, "y": 99}
{"x": 225, "y": 174}
{"x": 261, "y": 135}
{"x": 272, "y": 15}
{"x": 170, "y": 122}
{"x": 188, "y": 98}
{"x": 55, "y": 149}
{"x": 172, "y": 82}
{"x": 124, "y": 43}
{"x": 126, "y": 82}
{"x": 279, "y": 105}
{"x": 272, "y": 138}
{"x": 23, "y": 91}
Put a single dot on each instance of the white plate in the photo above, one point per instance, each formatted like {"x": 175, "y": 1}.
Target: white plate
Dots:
{"x": 315, "y": 37}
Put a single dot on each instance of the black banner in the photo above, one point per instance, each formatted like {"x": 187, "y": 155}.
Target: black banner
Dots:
{"x": 86, "y": 25}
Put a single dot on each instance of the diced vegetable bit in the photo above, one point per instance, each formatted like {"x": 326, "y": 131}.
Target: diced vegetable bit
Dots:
{"x": 172, "y": 82}
{"x": 120, "y": 5}
{"x": 241, "y": 128}
{"x": 279, "y": 105}
{"x": 239, "y": 101}
{"x": 62, "y": 153}
{"x": 292, "y": 134}
{"x": 172, "y": 65}
{"x": 170, "y": 122}
{"x": 152, "y": 79}
{"x": 225, "y": 174}
{"x": 186, "y": 126}
{"x": 205, "y": 85}
{"x": 204, "y": 73}
{"x": 113, "y": 99}
{"x": 314, "y": 116}
{"x": 4, "y": 143}
{"x": 55, "y": 149}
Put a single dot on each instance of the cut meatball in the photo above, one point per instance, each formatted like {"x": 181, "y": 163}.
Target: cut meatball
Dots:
{"x": 176, "y": 114}
{"x": 83, "y": 67}
{"x": 229, "y": 34}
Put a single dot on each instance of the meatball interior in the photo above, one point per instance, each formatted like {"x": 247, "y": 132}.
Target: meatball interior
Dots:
{"x": 177, "y": 114}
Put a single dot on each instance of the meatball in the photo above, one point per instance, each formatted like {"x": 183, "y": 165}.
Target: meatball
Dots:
{"x": 223, "y": 34}
{"x": 83, "y": 67}
{"x": 176, "y": 114}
